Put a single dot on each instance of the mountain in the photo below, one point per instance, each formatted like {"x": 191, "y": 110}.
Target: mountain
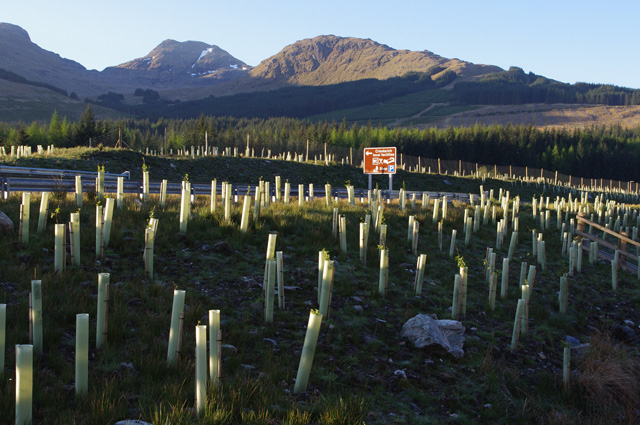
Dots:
{"x": 193, "y": 69}
{"x": 172, "y": 65}
{"x": 190, "y": 57}
{"x": 325, "y": 77}
{"x": 329, "y": 59}
{"x": 176, "y": 66}
{"x": 25, "y": 58}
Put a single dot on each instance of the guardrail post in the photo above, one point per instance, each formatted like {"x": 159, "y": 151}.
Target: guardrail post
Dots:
{"x": 4, "y": 187}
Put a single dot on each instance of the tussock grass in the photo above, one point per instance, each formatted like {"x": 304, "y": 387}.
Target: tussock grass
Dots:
{"x": 609, "y": 376}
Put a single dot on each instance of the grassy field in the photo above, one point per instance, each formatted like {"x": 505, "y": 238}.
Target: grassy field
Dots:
{"x": 363, "y": 370}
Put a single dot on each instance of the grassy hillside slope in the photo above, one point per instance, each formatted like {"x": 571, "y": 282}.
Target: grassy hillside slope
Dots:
{"x": 364, "y": 371}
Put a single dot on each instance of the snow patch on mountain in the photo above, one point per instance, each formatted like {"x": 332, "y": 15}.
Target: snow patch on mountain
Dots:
{"x": 204, "y": 53}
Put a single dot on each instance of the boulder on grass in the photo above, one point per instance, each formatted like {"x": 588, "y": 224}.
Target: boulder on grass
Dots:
{"x": 6, "y": 225}
{"x": 426, "y": 332}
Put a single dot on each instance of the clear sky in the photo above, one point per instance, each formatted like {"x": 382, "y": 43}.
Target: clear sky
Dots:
{"x": 566, "y": 40}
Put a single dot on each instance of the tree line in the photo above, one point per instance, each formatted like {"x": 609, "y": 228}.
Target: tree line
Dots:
{"x": 596, "y": 152}
{"x": 515, "y": 87}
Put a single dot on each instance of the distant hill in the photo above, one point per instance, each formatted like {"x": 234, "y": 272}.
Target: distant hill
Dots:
{"x": 325, "y": 77}
{"x": 176, "y": 66}
{"x": 329, "y": 59}
{"x": 25, "y": 58}
{"x": 191, "y": 69}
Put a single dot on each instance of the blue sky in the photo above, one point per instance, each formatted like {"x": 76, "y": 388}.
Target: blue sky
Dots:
{"x": 567, "y": 40}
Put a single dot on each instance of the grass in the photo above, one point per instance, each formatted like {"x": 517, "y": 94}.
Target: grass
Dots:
{"x": 355, "y": 376}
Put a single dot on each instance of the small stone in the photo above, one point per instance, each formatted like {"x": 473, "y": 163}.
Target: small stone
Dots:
{"x": 223, "y": 247}
{"x": 401, "y": 373}
{"x": 623, "y": 333}
{"x": 230, "y": 347}
{"x": 127, "y": 367}
{"x": 572, "y": 340}
{"x": 358, "y": 308}
{"x": 488, "y": 405}
{"x": 6, "y": 224}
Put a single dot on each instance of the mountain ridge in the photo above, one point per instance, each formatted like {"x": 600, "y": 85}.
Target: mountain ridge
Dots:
{"x": 330, "y": 59}
{"x": 326, "y": 75}
{"x": 193, "y": 69}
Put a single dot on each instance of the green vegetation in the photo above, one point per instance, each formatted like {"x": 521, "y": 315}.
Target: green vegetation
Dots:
{"x": 599, "y": 152}
{"x": 363, "y": 371}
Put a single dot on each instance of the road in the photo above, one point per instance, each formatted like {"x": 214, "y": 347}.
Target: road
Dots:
{"x": 67, "y": 184}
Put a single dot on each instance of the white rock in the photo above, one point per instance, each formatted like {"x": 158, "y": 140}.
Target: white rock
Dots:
{"x": 425, "y": 331}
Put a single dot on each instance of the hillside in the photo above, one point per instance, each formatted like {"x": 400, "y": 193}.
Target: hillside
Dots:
{"x": 511, "y": 343}
{"x": 437, "y": 109}
{"x": 329, "y": 59}
{"x": 27, "y": 103}
{"x": 322, "y": 78}
{"x": 25, "y": 58}
{"x": 180, "y": 67}
{"x": 540, "y": 115}
{"x": 192, "y": 69}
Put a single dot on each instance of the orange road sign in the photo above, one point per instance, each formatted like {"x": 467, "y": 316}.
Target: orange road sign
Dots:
{"x": 380, "y": 160}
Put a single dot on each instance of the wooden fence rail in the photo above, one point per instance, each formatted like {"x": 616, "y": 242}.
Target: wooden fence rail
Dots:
{"x": 622, "y": 245}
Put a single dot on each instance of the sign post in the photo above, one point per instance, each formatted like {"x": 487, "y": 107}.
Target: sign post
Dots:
{"x": 380, "y": 161}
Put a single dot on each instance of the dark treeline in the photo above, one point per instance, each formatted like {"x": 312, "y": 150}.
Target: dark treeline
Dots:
{"x": 514, "y": 87}
{"x": 598, "y": 152}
